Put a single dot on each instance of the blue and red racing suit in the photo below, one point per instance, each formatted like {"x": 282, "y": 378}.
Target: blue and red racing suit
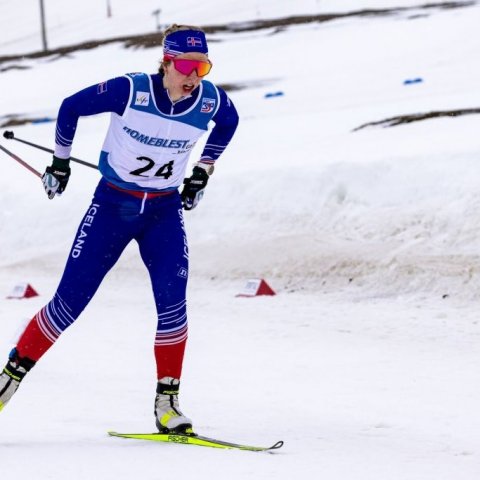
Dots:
{"x": 143, "y": 163}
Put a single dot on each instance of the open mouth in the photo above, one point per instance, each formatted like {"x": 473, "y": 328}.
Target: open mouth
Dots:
{"x": 188, "y": 87}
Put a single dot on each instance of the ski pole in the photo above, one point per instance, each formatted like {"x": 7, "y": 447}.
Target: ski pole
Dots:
{"x": 21, "y": 162}
{"x": 9, "y": 135}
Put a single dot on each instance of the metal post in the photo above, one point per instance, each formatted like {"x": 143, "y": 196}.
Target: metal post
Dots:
{"x": 44, "y": 32}
{"x": 156, "y": 14}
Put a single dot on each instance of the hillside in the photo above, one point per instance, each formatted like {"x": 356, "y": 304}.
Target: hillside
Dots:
{"x": 351, "y": 186}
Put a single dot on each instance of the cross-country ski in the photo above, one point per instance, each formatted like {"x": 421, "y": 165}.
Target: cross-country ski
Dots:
{"x": 194, "y": 440}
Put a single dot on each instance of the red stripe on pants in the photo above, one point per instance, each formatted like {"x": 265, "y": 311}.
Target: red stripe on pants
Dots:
{"x": 33, "y": 343}
{"x": 169, "y": 359}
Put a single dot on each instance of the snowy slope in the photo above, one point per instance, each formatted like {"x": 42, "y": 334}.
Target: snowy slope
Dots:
{"x": 366, "y": 362}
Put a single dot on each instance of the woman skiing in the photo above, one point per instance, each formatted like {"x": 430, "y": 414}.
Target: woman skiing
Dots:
{"x": 156, "y": 120}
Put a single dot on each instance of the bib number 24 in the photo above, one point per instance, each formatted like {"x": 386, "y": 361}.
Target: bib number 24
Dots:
{"x": 165, "y": 171}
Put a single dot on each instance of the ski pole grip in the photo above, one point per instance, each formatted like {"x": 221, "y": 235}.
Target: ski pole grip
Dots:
{"x": 8, "y": 134}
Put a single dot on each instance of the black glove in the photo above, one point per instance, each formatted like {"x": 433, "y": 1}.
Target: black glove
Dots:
{"x": 193, "y": 188}
{"x": 56, "y": 176}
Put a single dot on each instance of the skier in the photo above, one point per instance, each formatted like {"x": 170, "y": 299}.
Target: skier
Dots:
{"x": 156, "y": 119}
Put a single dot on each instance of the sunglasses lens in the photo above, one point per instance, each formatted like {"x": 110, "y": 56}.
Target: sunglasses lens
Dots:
{"x": 203, "y": 68}
{"x": 186, "y": 67}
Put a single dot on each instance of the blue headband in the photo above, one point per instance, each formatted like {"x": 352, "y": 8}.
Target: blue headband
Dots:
{"x": 184, "y": 41}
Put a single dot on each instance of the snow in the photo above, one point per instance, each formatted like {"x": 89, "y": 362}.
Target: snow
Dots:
{"x": 366, "y": 361}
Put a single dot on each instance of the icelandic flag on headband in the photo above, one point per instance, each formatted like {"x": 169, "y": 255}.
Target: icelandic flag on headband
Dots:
{"x": 194, "y": 41}
{"x": 183, "y": 41}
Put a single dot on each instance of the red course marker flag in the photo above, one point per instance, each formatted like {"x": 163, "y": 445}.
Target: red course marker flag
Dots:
{"x": 256, "y": 287}
{"x": 23, "y": 290}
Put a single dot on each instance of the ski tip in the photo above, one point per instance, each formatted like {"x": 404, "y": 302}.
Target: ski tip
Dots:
{"x": 277, "y": 445}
